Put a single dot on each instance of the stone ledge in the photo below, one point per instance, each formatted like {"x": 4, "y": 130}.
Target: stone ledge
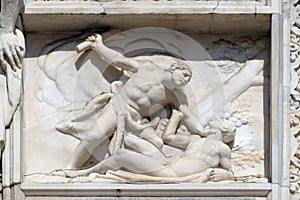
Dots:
{"x": 201, "y": 23}
{"x": 139, "y": 190}
{"x": 154, "y": 7}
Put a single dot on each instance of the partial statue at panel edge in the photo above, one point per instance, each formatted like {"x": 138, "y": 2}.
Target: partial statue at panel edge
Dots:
{"x": 12, "y": 52}
{"x": 155, "y": 132}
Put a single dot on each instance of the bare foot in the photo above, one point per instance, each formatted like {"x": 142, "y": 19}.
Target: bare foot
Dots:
{"x": 68, "y": 127}
{"x": 219, "y": 175}
{"x": 60, "y": 172}
{"x": 77, "y": 173}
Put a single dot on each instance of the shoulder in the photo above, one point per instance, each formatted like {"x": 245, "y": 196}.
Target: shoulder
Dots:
{"x": 159, "y": 60}
{"x": 223, "y": 148}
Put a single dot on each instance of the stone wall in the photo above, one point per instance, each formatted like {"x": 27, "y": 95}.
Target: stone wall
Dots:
{"x": 118, "y": 106}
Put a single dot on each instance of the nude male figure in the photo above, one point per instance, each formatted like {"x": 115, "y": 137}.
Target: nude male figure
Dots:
{"x": 200, "y": 154}
{"x": 154, "y": 82}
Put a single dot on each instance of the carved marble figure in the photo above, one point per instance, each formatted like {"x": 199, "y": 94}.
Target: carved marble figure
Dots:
{"x": 200, "y": 154}
{"x": 12, "y": 51}
{"x": 152, "y": 83}
{"x": 148, "y": 144}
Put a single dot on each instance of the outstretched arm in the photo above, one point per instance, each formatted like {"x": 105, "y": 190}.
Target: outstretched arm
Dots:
{"x": 10, "y": 51}
{"x": 108, "y": 55}
{"x": 192, "y": 121}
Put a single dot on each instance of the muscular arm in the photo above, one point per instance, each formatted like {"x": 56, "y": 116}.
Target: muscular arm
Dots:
{"x": 9, "y": 47}
{"x": 170, "y": 137}
{"x": 192, "y": 121}
{"x": 109, "y": 55}
{"x": 224, "y": 172}
{"x": 225, "y": 156}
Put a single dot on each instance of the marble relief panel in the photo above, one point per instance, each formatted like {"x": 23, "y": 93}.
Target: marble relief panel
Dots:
{"x": 146, "y": 105}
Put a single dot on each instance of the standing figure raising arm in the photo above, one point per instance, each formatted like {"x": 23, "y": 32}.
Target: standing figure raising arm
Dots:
{"x": 95, "y": 42}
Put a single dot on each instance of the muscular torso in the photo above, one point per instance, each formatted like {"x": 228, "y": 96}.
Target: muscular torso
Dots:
{"x": 200, "y": 155}
{"x": 145, "y": 89}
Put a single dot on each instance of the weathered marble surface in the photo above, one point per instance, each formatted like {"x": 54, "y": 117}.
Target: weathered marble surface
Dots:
{"x": 138, "y": 0}
{"x": 70, "y": 91}
{"x": 294, "y": 100}
{"x": 12, "y": 51}
{"x": 70, "y": 80}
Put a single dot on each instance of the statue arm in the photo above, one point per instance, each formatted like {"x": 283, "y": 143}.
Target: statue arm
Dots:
{"x": 10, "y": 50}
{"x": 169, "y": 135}
{"x": 192, "y": 121}
{"x": 224, "y": 172}
{"x": 110, "y": 56}
{"x": 225, "y": 156}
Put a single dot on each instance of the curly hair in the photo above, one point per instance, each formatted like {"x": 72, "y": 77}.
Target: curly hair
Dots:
{"x": 181, "y": 66}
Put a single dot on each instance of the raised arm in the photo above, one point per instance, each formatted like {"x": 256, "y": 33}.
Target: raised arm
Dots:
{"x": 10, "y": 51}
{"x": 110, "y": 56}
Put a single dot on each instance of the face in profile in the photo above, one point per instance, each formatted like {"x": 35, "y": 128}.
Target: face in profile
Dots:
{"x": 181, "y": 77}
{"x": 228, "y": 137}
{"x": 226, "y": 127}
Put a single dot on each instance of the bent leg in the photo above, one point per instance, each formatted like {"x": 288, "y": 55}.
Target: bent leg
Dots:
{"x": 138, "y": 163}
{"x": 150, "y": 135}
{"x": 142, "y": 146}
{"x": 101, "y": 129}
{"x": 132, "y": 161}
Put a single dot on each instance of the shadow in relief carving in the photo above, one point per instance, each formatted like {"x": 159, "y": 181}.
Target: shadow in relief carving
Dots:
{"x": 151, "y": 105}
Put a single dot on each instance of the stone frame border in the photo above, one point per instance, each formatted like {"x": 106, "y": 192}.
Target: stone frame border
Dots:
{"x": 159, "y": 6}
{"x": 278, "y": 188}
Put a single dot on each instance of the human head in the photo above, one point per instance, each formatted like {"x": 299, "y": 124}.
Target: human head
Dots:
{"x": 227, "y": 128}
{"x": 181, "y": 73}
{"x": 228, "y": 131}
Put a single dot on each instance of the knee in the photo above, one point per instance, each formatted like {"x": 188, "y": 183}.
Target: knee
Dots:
{"x": 157, "y": 141}
{"x": 130, "y": 141}
{"x": 95, "y": 139}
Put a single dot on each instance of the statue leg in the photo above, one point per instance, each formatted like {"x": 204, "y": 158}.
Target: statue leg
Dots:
{"x": 137, "y": 163}
{"x": 102, "y": 128}
{"x": 132, "y": 161}
{"x": 150, "y": 135}
{"x": 143, "y": 146}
